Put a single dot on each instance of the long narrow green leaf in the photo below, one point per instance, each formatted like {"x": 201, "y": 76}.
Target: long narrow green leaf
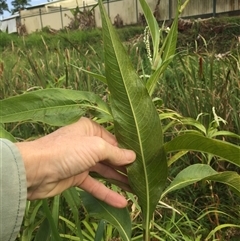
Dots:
{"x": 169, "y": 46}
{"x": 33, "y": 213}
{"x": 54, "y": 230}
{"x": 55, "y": 209}
{"x": 71, "y": 229}
{"x": 56, "y": 107}
{"x": 195, "y": 142}
{"x": 94, "y": 75}
{"x": 189, "y": 175}
{"x": 225, "y": 133}
{"x": 30, "y": 224}
{"x": 166, "y": 52}
{"x": 119, "y": 218}
{"x": 198, "y": 172}
{"x": 5, "y": 134}
{"x": 153, "y": 80}
{"x": 136, "y": 122}
{"x": 191, "y": 122}
{"x": 154, "y": 30}
{"x": 72, "y": 198}
{"x": 43, "y": 232}
{"x": 100, "y": 230}
{"x": 219, "y": 227}
{"x": 176, "y": 157}
{"x": 232, "y": 179}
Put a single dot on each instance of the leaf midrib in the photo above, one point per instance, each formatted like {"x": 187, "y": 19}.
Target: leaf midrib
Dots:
{"x": 119, "y": 225}
{"x": 54, "y": 107}
{"x": 137, "y": 128}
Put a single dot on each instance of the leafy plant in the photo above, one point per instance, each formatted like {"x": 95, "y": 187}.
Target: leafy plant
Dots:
{"x": 206, "y": 80}
{"x": 137, "y": 125}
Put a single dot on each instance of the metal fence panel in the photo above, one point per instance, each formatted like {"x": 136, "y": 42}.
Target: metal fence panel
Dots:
{"x": 129, "y": 10}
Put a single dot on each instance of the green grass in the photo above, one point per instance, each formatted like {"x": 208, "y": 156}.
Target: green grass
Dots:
{"x": 195, "y": 83}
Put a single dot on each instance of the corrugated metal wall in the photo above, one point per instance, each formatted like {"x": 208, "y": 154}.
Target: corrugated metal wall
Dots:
{"x": 128, "y": 10}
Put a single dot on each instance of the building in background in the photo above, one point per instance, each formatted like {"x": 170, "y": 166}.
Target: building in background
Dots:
{"x": 55, "y": 15}
{"x": 77, "y": 14}
{"x": 10, "y": 24}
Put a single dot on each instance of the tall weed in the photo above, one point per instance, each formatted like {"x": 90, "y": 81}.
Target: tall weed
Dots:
{"x": 194, "y": 84}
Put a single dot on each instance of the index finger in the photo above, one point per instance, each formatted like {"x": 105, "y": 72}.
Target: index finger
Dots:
{"x": 114, "y": 155}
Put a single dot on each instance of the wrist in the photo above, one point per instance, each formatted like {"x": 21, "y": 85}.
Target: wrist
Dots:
{"x": 34, "y": 158}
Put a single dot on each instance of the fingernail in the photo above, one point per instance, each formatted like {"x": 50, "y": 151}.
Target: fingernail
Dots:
{"x": 131, "y": 156}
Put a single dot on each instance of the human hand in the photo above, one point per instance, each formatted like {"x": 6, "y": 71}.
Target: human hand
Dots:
{"x": 65, "y": 157}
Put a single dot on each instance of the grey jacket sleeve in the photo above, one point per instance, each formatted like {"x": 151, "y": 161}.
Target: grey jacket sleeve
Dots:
{"x": 13, "y": 190}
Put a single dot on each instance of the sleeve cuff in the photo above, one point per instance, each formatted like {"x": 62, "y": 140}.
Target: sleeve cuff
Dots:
{"x": 13, "y": 190}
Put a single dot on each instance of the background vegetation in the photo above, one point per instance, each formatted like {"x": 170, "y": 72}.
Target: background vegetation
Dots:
{"x": 204, "y": 74}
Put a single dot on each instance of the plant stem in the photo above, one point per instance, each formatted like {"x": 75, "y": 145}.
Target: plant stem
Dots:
{"x": 146, "y": 235}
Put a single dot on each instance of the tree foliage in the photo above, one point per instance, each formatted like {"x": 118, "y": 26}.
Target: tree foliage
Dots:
{"x": 3, "y": 6}
{"x": 20, "y": 4}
